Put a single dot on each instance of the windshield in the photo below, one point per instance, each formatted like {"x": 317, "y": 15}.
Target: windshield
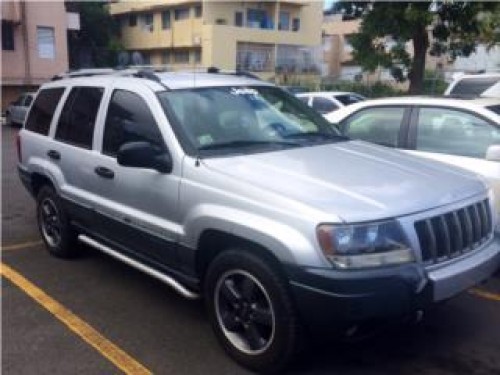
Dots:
{"x": 245, "y": 119}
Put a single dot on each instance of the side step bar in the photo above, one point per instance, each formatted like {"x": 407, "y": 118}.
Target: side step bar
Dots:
{"x": 179, "y": 288}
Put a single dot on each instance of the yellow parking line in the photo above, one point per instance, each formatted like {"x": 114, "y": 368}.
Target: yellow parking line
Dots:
{"x": 105, "y": 347}
{"x": 21, "y": 245}
{"x": 485, "y": 294}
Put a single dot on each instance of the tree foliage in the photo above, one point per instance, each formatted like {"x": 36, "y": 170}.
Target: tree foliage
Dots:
{"x": 389, "y": 29}
{"x": 96, "y": 44}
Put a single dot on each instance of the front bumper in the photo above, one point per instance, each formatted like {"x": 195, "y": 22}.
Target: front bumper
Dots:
{"x": 326, "y": 297}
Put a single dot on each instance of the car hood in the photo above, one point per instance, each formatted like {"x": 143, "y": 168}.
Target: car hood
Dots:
{"x": 353, "y": 180}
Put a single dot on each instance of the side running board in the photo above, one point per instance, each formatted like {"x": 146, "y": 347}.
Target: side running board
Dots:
{"x": 179, "y": 288}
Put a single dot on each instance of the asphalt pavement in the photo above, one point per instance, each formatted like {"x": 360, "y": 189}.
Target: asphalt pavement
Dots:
{"x": 94, "y": 315}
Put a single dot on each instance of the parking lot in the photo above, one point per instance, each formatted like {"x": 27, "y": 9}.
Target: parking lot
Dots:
{"x": 94, "y": 315}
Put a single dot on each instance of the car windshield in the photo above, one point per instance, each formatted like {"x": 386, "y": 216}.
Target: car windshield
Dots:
{"x": 246, "y": 119}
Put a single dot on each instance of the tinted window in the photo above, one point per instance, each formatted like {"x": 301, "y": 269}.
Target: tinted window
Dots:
{"x": 77, "y": 121}
{"x": 43, "y": 109}
{"x": 494, "y": 108}
{"x": 323, "y": 105}
{"x": 27, "y": 101}
{"x": 378, "y": 125}
{"x": 454, "y": 132}
{"x": 348, "y": 99}
{"x": 473, "y": 86}
{"x": 304, "y": 99}
{"x": 129, "y": 120}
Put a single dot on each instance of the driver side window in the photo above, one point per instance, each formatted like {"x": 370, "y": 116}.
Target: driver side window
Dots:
{"x": 129, "y": 119}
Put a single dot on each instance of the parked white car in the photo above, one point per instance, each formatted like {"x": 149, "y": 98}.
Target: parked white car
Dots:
{"x": 326, "y": 102}
{"x": 15, "y": 113}
{"x": 462, "y": 132}
{"x": 472, "y": 84}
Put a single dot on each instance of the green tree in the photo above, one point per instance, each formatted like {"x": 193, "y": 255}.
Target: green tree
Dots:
{"x": 96, "y": 44}
{"x": 448, "y": 28}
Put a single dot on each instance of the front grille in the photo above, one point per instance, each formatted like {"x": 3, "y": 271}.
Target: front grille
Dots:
{"x": 453, "y": 233}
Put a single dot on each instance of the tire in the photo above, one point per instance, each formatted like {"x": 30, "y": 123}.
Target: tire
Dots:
{"x": 244, "y": 296}
{"x": 53, "y": 224}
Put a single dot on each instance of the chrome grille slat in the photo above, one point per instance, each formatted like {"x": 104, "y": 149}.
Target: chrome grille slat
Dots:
{"x": 447, "y": 235}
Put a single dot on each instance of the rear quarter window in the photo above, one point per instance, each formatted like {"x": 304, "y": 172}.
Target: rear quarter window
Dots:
{"x": 473, "y": 86}
{"x": 42, "y": 110}
{"x": 494, "y": 108}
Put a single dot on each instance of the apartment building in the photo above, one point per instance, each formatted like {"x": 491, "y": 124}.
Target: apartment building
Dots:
{"x": 257, "y": 36}
{"x": 34, "y": 45}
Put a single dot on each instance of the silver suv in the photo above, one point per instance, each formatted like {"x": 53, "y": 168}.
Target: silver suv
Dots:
{"x": 228, "y": 187}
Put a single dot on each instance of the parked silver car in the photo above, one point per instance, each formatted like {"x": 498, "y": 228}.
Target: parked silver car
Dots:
{"x": 15, "y": 113}
{"x": 230, "y": 188}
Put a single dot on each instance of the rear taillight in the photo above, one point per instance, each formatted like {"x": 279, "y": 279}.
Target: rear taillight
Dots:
{"x": 18, "y": 147}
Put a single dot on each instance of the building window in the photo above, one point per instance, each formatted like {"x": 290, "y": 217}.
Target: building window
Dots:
{"x": 296, "y": 24}
{"x": 7, "y": 36}
{"x": 148, "y": 22}
{"x": 238, "y": 19}
{"x": 132, "y": 20}
{"x": 258, "y": 18}
{"x": 197, "y": 11}
{"x": 255, "y": 57}
{"x": 197, "y": 55}
{"x": 181, "y": 14}
{"x": 284, "y": 21}
{"x": 181, "y": 56}
{"x": 165, "y": 57}
{"x": 165, "y": 20}
{"x": 46, "y": 42}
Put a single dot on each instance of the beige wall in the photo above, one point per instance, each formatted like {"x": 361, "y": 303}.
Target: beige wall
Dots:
{"x": 218, "y": 42}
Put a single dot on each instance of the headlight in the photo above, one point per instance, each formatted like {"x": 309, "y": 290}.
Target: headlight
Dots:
{"x": 364, "y": 245}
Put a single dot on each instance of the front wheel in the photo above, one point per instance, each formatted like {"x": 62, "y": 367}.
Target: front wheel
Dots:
{"x": 251, "y": 311}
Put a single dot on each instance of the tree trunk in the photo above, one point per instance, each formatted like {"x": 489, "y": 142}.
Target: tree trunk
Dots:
{"x": 420, "y": 46}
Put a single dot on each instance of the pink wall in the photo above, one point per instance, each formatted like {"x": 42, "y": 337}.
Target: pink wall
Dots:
{"x": 14, "y": 63}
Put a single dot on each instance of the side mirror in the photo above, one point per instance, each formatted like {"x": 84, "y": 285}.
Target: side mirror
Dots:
{"x": 493, "y": 153}
{"x": 144, "y": 155}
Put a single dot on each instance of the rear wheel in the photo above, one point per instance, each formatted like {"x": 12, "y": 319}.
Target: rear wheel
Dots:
{"x": 251, "y": 311}
{"x": 54, "y": 225}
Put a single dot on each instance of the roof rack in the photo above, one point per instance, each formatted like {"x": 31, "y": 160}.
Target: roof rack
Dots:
{"x": 241, "y": 73}
{"x": 138, "y": 72}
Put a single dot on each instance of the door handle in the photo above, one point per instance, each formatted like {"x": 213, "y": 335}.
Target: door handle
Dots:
{"x": 53, "y": 154}
{"x": 104, "y": 172}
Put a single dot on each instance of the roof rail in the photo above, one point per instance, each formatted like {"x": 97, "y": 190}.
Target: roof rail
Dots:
{"x": 146, "y": 73}
{"x": 242, "y": 73}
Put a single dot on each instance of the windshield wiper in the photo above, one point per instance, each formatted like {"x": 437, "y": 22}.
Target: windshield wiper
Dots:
{"x": 246, "y": 143}
{"x": 316, "y": 134}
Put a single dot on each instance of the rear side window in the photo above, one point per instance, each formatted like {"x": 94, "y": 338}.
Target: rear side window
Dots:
{"x": 129, "y": 120}
{"x": 323, "y": 105}
{"x": 473, "y": 86}
{"x": 77, "y": 121}
{"x": 494, "y": 108}
{"x": 43, "y": 109}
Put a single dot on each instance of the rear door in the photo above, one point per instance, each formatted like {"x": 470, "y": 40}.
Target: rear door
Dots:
{"x": 70, "y": 150}
{"x": 457, "y": 137}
